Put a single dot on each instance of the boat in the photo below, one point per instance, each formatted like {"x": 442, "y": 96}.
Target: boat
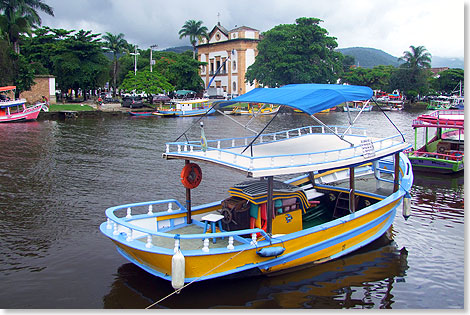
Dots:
{"x": 443, "y": 149}
{"x": 186, "y": 108}
{"x": 253, "y": 109}
{"x": 441, "y": 102}
{"x": 139, "y": 114}
{"x": 391, "y": 105}
{"x": 358, "y": 106}
{"x": 331, "y": 196}
{"x": 16, "y": 110}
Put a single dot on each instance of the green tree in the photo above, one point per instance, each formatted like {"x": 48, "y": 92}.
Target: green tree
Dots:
{"x": 40, "y": 48}
{"x": 80, "y": 62}
{"x": 6, "y": 64}
{"x": 194, "y": 30}
{"x": 377, "y": 78}
{"x": 19, "y": 16}
{"x": 412, "y": 77}
{"x": 296, "y": 53}
{"x": 449, "y": 80}
{"x": 417, "y": 58}
{"x": 115, "y": 44}
{"x": 146, "y": 82}
{"x": 348, "y": 63}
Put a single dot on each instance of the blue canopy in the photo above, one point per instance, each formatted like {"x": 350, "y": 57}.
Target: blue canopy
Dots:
{"x": 310, "y": 98}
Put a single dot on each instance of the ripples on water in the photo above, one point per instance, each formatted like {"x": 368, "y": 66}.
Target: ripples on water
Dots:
{"x": 58, "y": 177}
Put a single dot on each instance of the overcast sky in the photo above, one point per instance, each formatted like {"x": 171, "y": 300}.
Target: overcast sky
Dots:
{"x": 389, "y": 25}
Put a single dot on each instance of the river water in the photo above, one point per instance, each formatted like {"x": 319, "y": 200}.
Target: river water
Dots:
{"x": 57, "y": 177}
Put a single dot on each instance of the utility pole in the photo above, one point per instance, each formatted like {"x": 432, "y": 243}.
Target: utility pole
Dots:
{"x": 152, "y": 62}
{"x": 135, "y": 53}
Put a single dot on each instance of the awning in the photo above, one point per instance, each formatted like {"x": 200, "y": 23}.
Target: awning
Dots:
{"x": 257, "y": 192}
{"x": 7, "y": 88}
{"x": 309, "y": 98}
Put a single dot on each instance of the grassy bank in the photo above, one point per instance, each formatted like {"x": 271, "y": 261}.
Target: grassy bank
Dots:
{"x": 70, "y": 107}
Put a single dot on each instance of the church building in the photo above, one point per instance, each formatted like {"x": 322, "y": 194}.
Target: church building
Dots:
{"x": 240, "y": 45}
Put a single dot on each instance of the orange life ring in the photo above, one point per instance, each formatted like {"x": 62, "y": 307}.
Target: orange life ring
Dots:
{"x": 191, "y": 175}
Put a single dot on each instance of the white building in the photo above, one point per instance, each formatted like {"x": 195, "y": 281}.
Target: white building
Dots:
{"x": 240, "y": 44}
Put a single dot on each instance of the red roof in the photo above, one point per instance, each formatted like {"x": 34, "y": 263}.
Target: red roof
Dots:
{"x": 7, "y": 88}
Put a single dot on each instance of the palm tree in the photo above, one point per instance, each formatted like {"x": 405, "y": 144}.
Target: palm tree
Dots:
{"x": 194, "y": 30}
{"x": 417, "y": 58}
{"x": 19, "y": 16}
{"x": 115, "y": 44}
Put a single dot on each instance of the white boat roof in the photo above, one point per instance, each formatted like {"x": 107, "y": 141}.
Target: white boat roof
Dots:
{"x": 289, "y": 152}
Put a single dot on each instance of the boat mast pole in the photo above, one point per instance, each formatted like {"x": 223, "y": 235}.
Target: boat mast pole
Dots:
{"x": 189, "y": 220}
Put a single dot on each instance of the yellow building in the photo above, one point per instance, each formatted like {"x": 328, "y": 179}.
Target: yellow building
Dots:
{"x": 240, "y": 44}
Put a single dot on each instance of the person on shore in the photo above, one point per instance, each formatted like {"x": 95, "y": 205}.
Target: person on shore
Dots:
{"x": 100, "y": 102}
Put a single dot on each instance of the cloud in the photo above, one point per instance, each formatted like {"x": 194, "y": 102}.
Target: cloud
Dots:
{"x": 390, "y": 25}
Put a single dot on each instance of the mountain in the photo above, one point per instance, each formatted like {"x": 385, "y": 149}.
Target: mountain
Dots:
{"x": 371, "y": 57}
{"x": 179, "y": 49}
{"x": 438, "y": 62}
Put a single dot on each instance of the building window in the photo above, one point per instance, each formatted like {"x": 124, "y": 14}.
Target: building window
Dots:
{"x": 234, "y": 65}
{"x": 234, "y": 89}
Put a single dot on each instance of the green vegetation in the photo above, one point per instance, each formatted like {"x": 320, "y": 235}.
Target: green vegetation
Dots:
{"x": 194, "y": 30}
{"x": 288, "y": 53}
{"x": 296, "y": 53}
{"x": 70, "y": 107}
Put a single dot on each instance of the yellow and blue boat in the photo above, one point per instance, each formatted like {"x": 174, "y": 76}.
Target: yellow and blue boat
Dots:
{"x": 300, "y": 206}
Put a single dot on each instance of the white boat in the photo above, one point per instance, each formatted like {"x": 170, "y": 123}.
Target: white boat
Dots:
{"x": 358, "y": 106}
{"x": 300, "y": 206}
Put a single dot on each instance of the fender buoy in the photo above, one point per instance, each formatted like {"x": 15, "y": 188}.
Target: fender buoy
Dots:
{"x": 191, "y": 175}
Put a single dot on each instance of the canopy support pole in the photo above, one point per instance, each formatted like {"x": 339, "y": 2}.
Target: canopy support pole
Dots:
{"x": 189, "y": 220}
{"x": 351, "y": 123}
{"x": 396, "y": 180}
{"x": 352, "y": 191}
{"x": 331, "y": 130}
{"x": 237, "y": 122}
{"x": 269, "y": 206}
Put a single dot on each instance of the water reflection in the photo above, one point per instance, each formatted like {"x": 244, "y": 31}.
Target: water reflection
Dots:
{"x": 364, "y": 279}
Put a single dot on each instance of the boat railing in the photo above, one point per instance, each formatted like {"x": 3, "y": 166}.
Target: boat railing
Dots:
{"x": 439, "y": 124}
{"x": 248, "y": 162}
{"x": 139, "y": 221}
{"x": 231, "y": 143}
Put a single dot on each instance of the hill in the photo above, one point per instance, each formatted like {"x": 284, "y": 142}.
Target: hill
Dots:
{"x": 179, "y": 49}
{"x": 370, "y": 57}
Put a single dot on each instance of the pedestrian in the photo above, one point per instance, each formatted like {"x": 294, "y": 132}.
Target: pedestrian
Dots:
{"x": 100, "y": 102}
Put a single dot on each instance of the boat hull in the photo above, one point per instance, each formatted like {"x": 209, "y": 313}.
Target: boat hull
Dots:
{"x": 188, "y": 113}
{"x": 436, "y": 165}
{"x": 315, "y": 245}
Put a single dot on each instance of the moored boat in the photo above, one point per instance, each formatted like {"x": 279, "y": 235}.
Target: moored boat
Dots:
{"x": 186, "y": 108}
{"x": 313, "y": 212}
{"x": 139, "y": 114}
{"x": 358, "y": 106}
{"x": 254, "y": 110}
{"x": 443, "y": 149}
{"x": 16, "y": 110}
